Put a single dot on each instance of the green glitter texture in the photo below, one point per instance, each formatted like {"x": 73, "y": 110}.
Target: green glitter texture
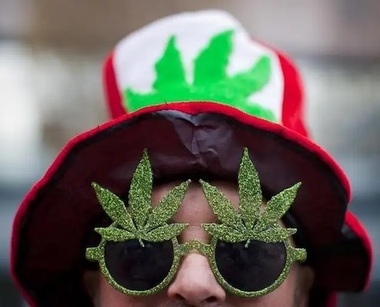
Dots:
{"x": 250, "y": 224}
{"x": 211, "y": 81}
{"x": 141, "y": 222}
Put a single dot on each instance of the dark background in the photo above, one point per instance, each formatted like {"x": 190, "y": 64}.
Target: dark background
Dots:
{"x": 51, "y": 54}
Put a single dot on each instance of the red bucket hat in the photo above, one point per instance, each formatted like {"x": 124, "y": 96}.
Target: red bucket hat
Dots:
{"x": 203, "y": 92}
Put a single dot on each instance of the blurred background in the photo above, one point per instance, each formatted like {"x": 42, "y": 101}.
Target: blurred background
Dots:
{"x": 51, "y": 54}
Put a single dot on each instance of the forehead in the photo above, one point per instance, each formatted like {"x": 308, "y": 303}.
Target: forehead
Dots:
{"x": 194, "y": 205}
{"x": 195, "y": 208}
{"x": 195, "y": 192}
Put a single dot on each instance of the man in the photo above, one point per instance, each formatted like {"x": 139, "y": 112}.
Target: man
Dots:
{"x": 205, "y": 189}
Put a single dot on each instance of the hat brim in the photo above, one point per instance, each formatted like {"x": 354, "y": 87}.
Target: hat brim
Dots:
{"x": 185, "y": 140}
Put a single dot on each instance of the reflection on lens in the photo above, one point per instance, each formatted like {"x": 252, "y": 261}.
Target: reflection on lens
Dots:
{"x": 136, "y": 267}
{"x": 253, "y": 268}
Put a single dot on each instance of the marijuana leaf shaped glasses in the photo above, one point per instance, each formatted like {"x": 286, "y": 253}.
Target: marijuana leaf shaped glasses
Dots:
{"x": 249, "y": 253}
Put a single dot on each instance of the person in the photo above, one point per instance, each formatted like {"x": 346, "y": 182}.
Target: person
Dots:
{"x": 204, "y": 189}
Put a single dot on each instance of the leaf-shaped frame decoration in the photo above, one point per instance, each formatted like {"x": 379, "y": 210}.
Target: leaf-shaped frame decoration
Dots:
{"x": 249, "y": 221}
{"x": 139, "y": 222}
{"x": 250, "y": 224}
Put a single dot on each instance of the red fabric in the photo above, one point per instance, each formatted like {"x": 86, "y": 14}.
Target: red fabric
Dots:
{"x": 292, "y": 119}
{"x": 192, "y": 108}
{"x": 332, "y": 300}
{"x": 293, "y": 96}
{"x": 292, "y": 116}
{"x": 16, "y": 234}
{"x": 292, "y": 108}
{"x": 113, "y": 97}
{"x": 26, "y": 208}
{"x": 360, "y": 231}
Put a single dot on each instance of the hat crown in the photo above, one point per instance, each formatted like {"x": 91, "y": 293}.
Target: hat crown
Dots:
{"x": 200, "y": 56}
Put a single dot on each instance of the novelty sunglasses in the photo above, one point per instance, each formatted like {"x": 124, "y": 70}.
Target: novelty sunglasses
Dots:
{"x": 249, "y": 253}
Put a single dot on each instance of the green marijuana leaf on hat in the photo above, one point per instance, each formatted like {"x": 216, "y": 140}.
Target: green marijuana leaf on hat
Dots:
{"x": 210, "y": 79}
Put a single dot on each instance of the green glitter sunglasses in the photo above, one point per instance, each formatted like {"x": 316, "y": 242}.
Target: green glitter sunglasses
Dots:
{"x": 249, "y": 253}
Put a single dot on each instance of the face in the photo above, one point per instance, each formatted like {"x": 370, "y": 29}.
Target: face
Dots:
{"x": 195, "y": 284}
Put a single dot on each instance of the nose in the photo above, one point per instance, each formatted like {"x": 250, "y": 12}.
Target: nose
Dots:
{"x": 195, "y": 284}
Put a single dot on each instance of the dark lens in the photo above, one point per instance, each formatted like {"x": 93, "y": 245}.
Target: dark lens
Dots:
{"x": 253, "y": 268}
{"x": 139, "y": 268}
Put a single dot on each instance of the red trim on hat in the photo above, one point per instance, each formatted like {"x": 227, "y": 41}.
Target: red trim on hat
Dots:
{"x": 189, "y": 108}
{"x": 113, "y": 97}
{"x": 357, "y": 227}
{"x": 21, "y": 212}
{"x": 272, "y": 127}
{"x": 332, "y": 300}
{"x": 293, "y": 96}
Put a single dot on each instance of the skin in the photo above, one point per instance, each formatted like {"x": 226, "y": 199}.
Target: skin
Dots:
{"x": 194, "y": 283}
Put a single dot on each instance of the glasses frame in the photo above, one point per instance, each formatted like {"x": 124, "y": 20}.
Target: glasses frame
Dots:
{"x": 293, "y": 255}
